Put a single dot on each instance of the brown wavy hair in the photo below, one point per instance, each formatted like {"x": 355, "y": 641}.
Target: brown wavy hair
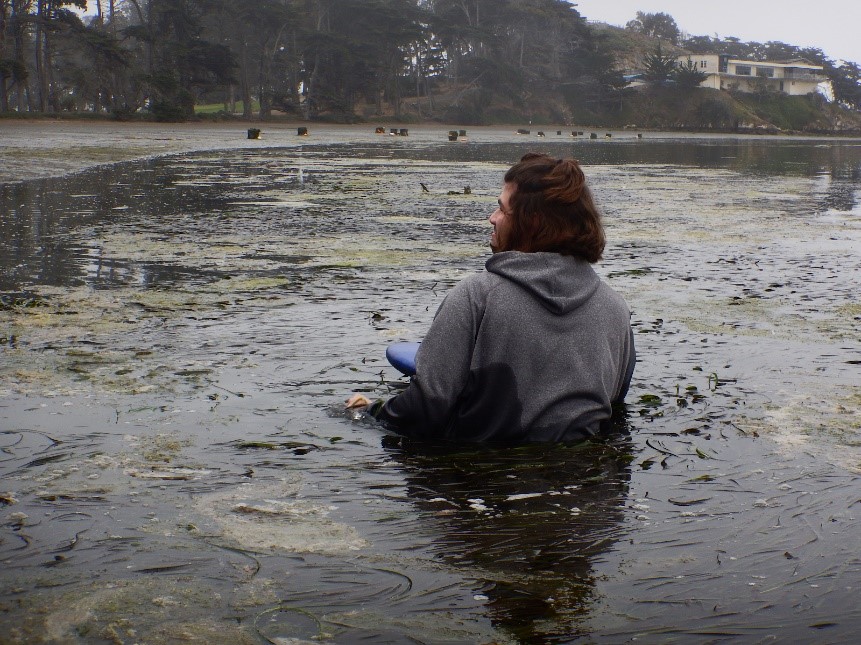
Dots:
{"x": 552, "y": 209}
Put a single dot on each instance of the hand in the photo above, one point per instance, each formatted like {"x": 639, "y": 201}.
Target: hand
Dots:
{"x": 358, "y": 401}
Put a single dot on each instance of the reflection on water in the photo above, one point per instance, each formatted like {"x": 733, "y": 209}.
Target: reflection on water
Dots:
{"x": 177, "y": 336}
{"x": 530, "y": 522}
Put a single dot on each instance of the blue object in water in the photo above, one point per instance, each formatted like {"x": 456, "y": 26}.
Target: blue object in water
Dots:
{"x": 403, "y": 357}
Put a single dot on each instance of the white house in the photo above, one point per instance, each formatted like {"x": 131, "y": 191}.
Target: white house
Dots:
{"x": 792, "y": 77}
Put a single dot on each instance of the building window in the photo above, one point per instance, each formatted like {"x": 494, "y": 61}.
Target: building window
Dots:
{"x": 742, "y": 70}
{"x": 765, "y": 72}
{"x": 704, "y": 64}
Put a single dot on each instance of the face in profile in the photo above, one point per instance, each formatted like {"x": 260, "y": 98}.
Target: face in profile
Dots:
{"x": 501, "y": 219}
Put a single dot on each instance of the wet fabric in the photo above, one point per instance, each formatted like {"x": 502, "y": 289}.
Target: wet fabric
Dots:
{"x": 535, "y": 348}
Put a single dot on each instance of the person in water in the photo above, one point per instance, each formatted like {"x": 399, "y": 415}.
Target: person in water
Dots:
{"x": 536, "y": 347}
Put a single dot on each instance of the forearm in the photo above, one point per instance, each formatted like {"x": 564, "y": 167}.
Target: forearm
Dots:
{"x": 443, "y": 362}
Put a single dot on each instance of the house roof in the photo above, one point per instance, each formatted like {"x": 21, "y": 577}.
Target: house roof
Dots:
{"x": 798, "y": 62}
{"x": 792, "y": 62}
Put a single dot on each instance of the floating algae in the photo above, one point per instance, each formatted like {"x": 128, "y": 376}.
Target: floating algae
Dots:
{"x": 271, "y": 517}
{"x": 815, "y": 421}
{"x": 191, "y": 313}
{"x": 147, "y": 610}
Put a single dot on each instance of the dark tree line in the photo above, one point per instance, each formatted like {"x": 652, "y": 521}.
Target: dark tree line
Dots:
{"x": 309, "y": 58}
{"x": 470, "y": 61}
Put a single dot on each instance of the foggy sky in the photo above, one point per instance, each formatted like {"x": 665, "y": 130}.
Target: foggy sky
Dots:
{"x": 831, "y": 25}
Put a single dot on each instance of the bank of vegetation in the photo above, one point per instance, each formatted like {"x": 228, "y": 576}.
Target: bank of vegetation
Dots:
{"x": 453, "y": 61}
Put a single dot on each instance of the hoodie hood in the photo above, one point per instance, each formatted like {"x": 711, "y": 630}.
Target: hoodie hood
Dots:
{"x": 560, "y": 282}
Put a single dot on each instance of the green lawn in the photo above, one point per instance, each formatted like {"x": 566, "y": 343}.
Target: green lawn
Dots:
{"x": 214, "y": 108}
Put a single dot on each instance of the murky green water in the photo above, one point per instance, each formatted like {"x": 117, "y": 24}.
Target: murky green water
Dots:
{"x": 178, "y": 336}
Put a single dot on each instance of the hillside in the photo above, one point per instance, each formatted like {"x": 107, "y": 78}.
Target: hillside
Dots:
{"x": 644, "y": 107}
{"x": 664, "y": 107}
{"x": 701, "y": 109}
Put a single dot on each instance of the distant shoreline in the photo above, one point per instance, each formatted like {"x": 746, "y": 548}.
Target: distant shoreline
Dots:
{"x": 41, "y": 148}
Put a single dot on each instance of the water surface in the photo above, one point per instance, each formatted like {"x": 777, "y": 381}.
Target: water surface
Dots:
{"x": 178, "y": 335}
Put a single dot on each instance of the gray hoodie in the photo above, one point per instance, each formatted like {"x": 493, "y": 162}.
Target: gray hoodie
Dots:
{"x": 535, "y": 348}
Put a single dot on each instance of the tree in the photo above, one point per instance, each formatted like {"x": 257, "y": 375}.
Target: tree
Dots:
{"x": 7, "y": 64}
{"x": 688, "y": 75}
{"x": 702, "y": 45}
{"x": 427, "y": 60}
{"x": 182, "y": 63}
{"x": 262, "y": 40}
{"x": 398, "y": 50}
{"x": 734, "y": 48}
{"x": 95, "y": 66}
{"x": 655, "y": 25}
{"x": 18, "y": 29}
{"x": 778, "y": 51}
{"x": 462, "y": 27}
{"x": 51, "y": 18}
{"x": 659, "y": 68}
{"x": 846, "y": 84}
{"x": 350, "y": 54}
